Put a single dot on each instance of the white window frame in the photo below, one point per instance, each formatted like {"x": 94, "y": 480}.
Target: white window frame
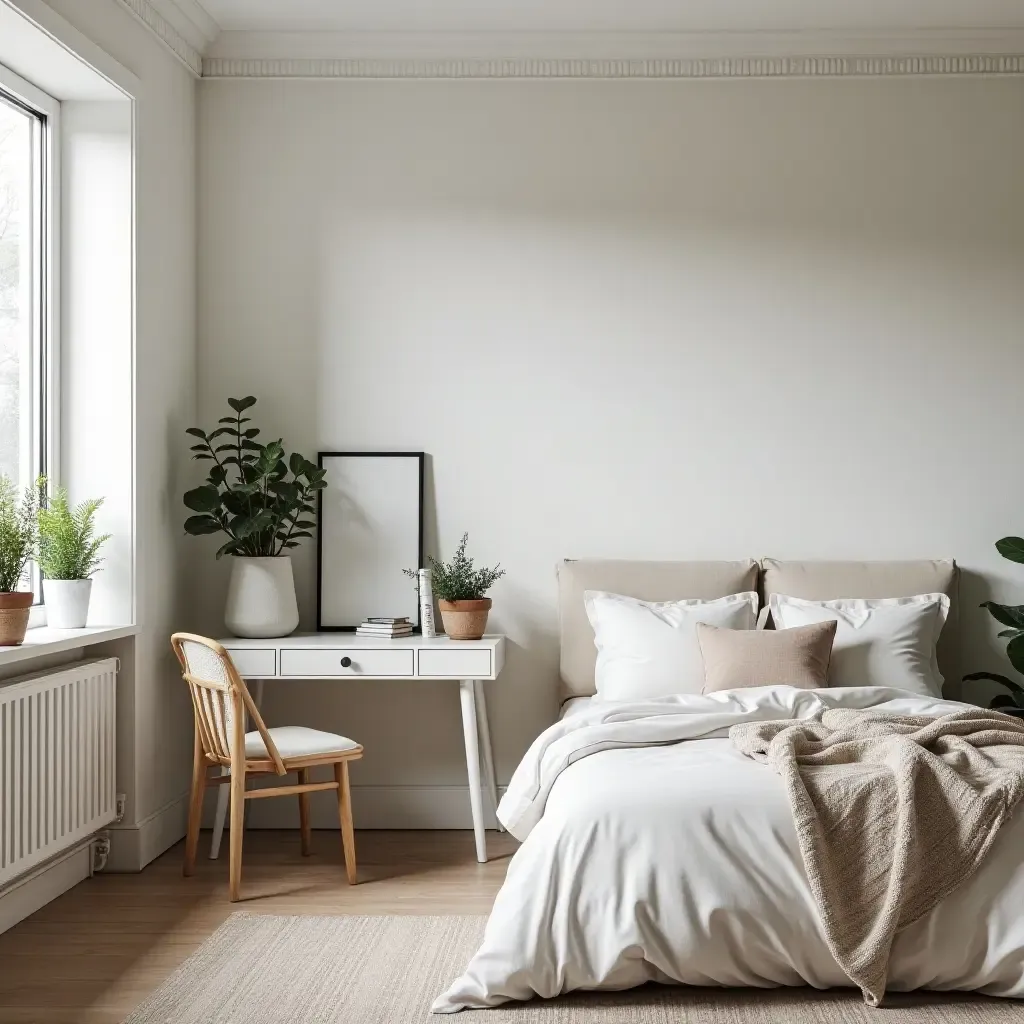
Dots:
{"x": 45, "y": 305}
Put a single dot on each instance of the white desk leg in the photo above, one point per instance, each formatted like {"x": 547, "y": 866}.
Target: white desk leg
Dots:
{"x": 223, "y": 794}
{"x": 467, "y": 692}
{"x": 486, "y": 755}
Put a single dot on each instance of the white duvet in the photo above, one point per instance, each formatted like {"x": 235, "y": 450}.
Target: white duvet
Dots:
{"x": 654, "y": 851}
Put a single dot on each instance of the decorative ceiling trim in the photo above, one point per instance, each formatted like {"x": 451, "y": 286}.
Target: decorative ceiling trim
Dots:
{"x": 187, "y": 29}
{"x": 166, "y": 33}
{"x": 655, "y": 68}
{"x": 190, "y": 19}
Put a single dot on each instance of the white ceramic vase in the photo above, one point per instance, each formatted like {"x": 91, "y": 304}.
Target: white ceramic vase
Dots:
{"x": 67, "y": 603}
{"x": 261, "y": 597}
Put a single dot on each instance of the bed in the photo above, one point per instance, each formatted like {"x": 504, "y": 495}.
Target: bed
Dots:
{"x": 653, "y": 851}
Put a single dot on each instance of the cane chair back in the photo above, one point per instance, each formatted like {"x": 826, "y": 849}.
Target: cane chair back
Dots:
{"x": 221, "y": 701}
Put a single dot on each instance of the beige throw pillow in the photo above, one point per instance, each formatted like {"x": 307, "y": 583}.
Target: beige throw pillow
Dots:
{"x": 736, "y": 658}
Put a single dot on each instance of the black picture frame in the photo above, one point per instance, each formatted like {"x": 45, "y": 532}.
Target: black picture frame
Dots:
{"x": 322, "y": 459}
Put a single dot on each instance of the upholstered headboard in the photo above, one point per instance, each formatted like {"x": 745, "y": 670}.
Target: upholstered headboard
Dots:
{"x": 668, "y": 581}
{"x": 649, "y": 581}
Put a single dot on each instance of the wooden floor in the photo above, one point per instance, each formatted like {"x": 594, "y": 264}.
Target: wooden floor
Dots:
{"x": 92, "y": 955}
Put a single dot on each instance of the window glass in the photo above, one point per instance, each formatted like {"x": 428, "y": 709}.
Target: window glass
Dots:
{"x": 20, "y": 321}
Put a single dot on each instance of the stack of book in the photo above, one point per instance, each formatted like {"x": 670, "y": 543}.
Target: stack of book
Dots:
{"x": 386, "y": 628}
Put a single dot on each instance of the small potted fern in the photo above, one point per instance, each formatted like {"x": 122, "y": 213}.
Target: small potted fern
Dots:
{"x": 68, "y": 556}
{"x": 459, "y": 588}
{"x": 17, "y": 546}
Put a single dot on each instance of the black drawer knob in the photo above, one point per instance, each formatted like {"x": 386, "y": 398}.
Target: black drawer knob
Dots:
{"x": 346, "y": 661}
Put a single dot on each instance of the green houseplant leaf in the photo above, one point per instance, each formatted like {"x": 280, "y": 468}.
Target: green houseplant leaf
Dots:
{"x": 249, "y": 495}
{"x": 1015, "y": 652}
{"x": 994, "y": 677}
{"x": 203, "y": 499}
{"x": 198, "y": 525}
{"x": 1007, "y": 614}
{"x": 1011, "y": 548}
{"x": 68, "y": 545}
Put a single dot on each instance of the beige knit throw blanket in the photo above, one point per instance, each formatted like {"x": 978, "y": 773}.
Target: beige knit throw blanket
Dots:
{"x": 892, "y": 814}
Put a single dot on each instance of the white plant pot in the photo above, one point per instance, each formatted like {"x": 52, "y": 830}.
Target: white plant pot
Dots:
{"x": 67, "y": 603}
{"x": 261, "y": 597}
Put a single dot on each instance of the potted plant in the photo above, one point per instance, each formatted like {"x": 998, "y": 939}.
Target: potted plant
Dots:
{"x": 17, "y": 545}
{"x": 68, "y": 556}
{"x": 262, "y": 500}
{"x": 1011, "y": 616}
{"x": 460, "y": 589}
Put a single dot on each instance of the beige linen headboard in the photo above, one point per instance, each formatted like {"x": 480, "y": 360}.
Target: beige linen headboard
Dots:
{"x": 649, "y": 581}
{"x": 676, "y": 581}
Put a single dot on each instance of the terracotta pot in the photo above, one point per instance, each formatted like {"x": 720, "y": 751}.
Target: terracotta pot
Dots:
{"x": 465, "y": 620}
{"x": 14, "y": 611}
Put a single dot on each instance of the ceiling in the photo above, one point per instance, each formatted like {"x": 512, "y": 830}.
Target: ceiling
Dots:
{"x": 523, "y": 16}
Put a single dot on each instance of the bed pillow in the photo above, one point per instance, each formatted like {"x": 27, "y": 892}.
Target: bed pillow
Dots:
{"x": 739, "y": 658}
{"x": 647, "y": 649}
{"x": 887, "y": 642}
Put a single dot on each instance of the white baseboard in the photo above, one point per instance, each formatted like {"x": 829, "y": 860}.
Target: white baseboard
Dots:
{"x": 132, "y": 847}
{"x": 417, "y": 807}
{"x": 392, "y": 807}
{"x": 25, "y": 896}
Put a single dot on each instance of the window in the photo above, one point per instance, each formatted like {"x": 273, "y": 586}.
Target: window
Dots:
{"x": 27, "y": 278}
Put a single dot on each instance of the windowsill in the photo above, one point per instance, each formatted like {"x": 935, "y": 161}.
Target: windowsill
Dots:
{"x": 44, "y": 640}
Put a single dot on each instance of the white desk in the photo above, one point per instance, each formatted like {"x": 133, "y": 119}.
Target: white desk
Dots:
{"x": 336, "y": 656}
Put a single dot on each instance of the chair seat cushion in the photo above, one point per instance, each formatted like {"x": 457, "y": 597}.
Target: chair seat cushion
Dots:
{"x": 296, "y": 741}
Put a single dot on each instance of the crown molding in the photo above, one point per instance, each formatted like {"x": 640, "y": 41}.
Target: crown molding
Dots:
{"x": 237, "y": 54}
{"x": 657, "y": 68}
{"x": 188, "y": 31}
{"x": 150, "y": 15}
{"x": 191, "y": 20}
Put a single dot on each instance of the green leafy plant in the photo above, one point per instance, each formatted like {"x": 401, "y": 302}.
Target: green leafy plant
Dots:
{"x": 459, "y": 580}
{"x": 18, "y": 532}
{"x": 249, "y": 494}
{"x": 1011, "y": 616}
{"x": 68, "y": 545}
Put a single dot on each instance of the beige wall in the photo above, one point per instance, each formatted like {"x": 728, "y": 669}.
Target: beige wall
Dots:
{"x": 164, "y": 371}
{"x": 632, "y": 319}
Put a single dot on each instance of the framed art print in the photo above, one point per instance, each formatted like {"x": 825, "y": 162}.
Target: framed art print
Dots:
{"x": 370, "y": 519}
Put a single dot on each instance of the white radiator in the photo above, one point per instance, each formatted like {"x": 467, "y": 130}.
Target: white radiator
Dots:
{"x": 57, "y": 744}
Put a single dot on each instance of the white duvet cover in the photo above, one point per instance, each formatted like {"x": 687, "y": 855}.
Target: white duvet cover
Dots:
{"x": 654, "y": 851}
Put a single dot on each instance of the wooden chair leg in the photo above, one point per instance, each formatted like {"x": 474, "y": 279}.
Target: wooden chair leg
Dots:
{"x": 304, "y": 826}
{"x": 195, "y": 806}
{"x": 348, "y": 837}
{"x": 237, "y": 832}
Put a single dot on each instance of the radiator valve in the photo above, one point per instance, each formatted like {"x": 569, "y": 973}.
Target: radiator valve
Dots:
{"x": 100, "y": 853}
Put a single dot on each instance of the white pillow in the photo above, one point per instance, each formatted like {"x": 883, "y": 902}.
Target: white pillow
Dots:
{"x": 651, "y": 650}
{"x": 887, "y": 642}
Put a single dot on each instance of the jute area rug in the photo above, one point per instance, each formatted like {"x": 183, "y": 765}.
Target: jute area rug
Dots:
{"x": 263, "y": 969}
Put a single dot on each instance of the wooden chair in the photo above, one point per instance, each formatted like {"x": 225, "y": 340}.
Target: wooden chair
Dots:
{"x": 221, "y": 702}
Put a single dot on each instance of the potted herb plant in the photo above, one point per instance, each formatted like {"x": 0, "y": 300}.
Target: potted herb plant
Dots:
{"x": 17, "y": 546}
{"x": 68, "y": 556}
{"x": 1011, "y": 616}
{"x": 460, "y": 588}
{"x": 262, "y": 501}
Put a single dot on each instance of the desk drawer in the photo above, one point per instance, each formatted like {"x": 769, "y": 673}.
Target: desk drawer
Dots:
{"x": 366, "y": 661}
{"x": 252, "y": 663}
{"x": 448, "y": 664}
